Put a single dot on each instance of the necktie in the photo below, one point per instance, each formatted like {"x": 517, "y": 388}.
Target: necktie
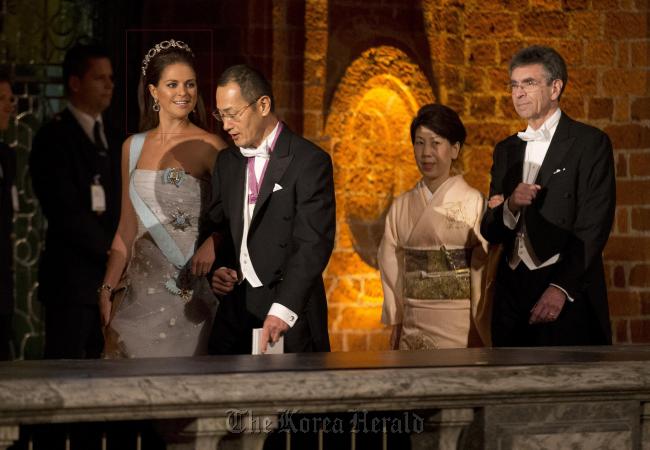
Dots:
{"x": 103, "y": 162}
{"x": 534, "y": 135}
{"x": 99, "y": 142}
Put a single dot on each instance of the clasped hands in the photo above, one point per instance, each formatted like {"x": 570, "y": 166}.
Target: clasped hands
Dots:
{"x": 523, "y": 195}
{"x": 224, "y": 281}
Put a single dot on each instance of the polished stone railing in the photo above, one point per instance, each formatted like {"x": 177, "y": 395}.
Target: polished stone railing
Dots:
{"x": 473, "y": 398}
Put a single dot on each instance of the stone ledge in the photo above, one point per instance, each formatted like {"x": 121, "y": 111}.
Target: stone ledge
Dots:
{"x": 94, "y": 390}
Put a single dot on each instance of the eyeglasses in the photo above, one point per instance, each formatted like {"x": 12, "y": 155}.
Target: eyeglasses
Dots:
{"x": 235, "y": 117}
{"x": 527, "y": 85}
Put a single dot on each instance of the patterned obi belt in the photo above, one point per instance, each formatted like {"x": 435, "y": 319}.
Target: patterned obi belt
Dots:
{"x": 437, "y": 274}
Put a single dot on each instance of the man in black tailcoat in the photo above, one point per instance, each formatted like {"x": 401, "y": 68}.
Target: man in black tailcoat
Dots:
{"x": 274, "y": 205}
{"x": 558, "y": 188}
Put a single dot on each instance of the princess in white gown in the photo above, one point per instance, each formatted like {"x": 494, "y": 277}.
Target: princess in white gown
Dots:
{"x": 163, "y": 305}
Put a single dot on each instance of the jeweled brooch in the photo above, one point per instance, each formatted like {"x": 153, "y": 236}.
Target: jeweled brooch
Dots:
{"x": 174, "y": 176}
{"x": 185, "y": 294}
{"x": 180, "y": 220}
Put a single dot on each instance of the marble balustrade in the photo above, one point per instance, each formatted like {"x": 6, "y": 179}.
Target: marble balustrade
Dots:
{"x": 471, "y": 398}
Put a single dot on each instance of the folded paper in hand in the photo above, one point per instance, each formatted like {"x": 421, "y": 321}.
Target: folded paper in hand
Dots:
{"x": 271, "y": 349}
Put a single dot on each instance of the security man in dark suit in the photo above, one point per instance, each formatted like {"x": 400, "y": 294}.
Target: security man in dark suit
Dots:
{"x": 558, "y": 188}
{"x": 75, "y": 169}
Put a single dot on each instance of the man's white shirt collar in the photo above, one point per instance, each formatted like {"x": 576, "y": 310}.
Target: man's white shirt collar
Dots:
{"x": 87, "y": 121}
{"x": 263, "y": 150}
{"x": 545, "y": 132}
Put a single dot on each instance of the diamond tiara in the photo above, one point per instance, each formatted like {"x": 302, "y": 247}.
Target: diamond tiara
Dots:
{"x": 162, "y": 46}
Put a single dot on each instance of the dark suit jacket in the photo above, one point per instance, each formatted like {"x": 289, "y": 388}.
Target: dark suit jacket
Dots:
{"x": 572, "y": 214}
{"x": 7, "y": 180}
{"x": 291, "y": 234}
{"x": 63, "y": 163}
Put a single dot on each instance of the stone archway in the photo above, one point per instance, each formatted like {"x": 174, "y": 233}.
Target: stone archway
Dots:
{"x": 368, "y": 129}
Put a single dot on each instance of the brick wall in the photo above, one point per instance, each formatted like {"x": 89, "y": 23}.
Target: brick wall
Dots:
{"x": 622, "y": 108}
{"x": 606, "y": 44}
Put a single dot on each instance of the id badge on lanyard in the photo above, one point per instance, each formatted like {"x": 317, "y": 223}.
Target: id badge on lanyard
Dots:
{"x": 97, "y": 196}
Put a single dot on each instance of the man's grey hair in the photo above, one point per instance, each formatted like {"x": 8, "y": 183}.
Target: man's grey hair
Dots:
{"x": 549, "y": 58}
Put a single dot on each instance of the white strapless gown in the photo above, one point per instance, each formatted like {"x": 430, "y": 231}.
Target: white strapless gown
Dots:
{"x": 157, "y": 318}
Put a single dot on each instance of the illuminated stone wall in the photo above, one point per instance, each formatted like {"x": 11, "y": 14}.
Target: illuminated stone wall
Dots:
{"x": 367, "y": 126}
{"x": 368, "y": 66}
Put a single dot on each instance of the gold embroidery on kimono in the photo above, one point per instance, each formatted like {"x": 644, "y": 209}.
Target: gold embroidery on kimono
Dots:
{"x": 441, "y": 274}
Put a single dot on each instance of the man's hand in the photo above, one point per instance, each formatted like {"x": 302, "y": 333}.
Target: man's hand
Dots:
{"x": 224, "y": 280}
{"x": 548, "y": 307}
{"x": 523, "y": 195}
{"x": 495, "y": 201}
{"x": 203, "y": 258}
{"x": 273, "y": 328}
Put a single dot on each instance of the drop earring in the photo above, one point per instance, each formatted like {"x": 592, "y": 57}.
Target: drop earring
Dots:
{"x": 156, "y": 105}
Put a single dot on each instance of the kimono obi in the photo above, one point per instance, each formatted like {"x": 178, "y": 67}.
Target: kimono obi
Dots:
{"x": 437, "y": 274}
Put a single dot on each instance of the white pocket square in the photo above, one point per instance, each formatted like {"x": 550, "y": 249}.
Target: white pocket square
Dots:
{"x": 559, "y": 170}
{"x": 277, "y": 187}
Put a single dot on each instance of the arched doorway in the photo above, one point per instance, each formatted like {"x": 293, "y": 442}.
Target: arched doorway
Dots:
{"x": 368, "y": 127}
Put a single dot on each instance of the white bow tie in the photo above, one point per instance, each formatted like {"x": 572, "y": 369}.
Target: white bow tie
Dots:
{"x": 534, "y": 135}
{"x": 259, "y": 152}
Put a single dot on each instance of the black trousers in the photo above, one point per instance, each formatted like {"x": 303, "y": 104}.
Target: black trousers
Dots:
{"x": 517, "y": 291}
{"x": 232, "y": 330}
{"x": 72, "y": 332}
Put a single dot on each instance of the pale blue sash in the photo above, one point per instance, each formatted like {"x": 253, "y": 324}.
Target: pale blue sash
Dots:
{"x": 157, "y": 230}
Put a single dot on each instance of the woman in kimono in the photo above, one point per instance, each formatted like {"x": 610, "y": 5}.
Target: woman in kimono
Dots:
{"x": 168, "y": 307}
{"x": 432, "y": 256}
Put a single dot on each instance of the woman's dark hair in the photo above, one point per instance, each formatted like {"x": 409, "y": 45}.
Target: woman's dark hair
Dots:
{"x": 443, "y": 121}
{"x": 152, "y": 72}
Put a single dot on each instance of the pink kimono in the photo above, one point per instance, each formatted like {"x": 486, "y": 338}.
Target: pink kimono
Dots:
{"x": 432, "y": 260}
